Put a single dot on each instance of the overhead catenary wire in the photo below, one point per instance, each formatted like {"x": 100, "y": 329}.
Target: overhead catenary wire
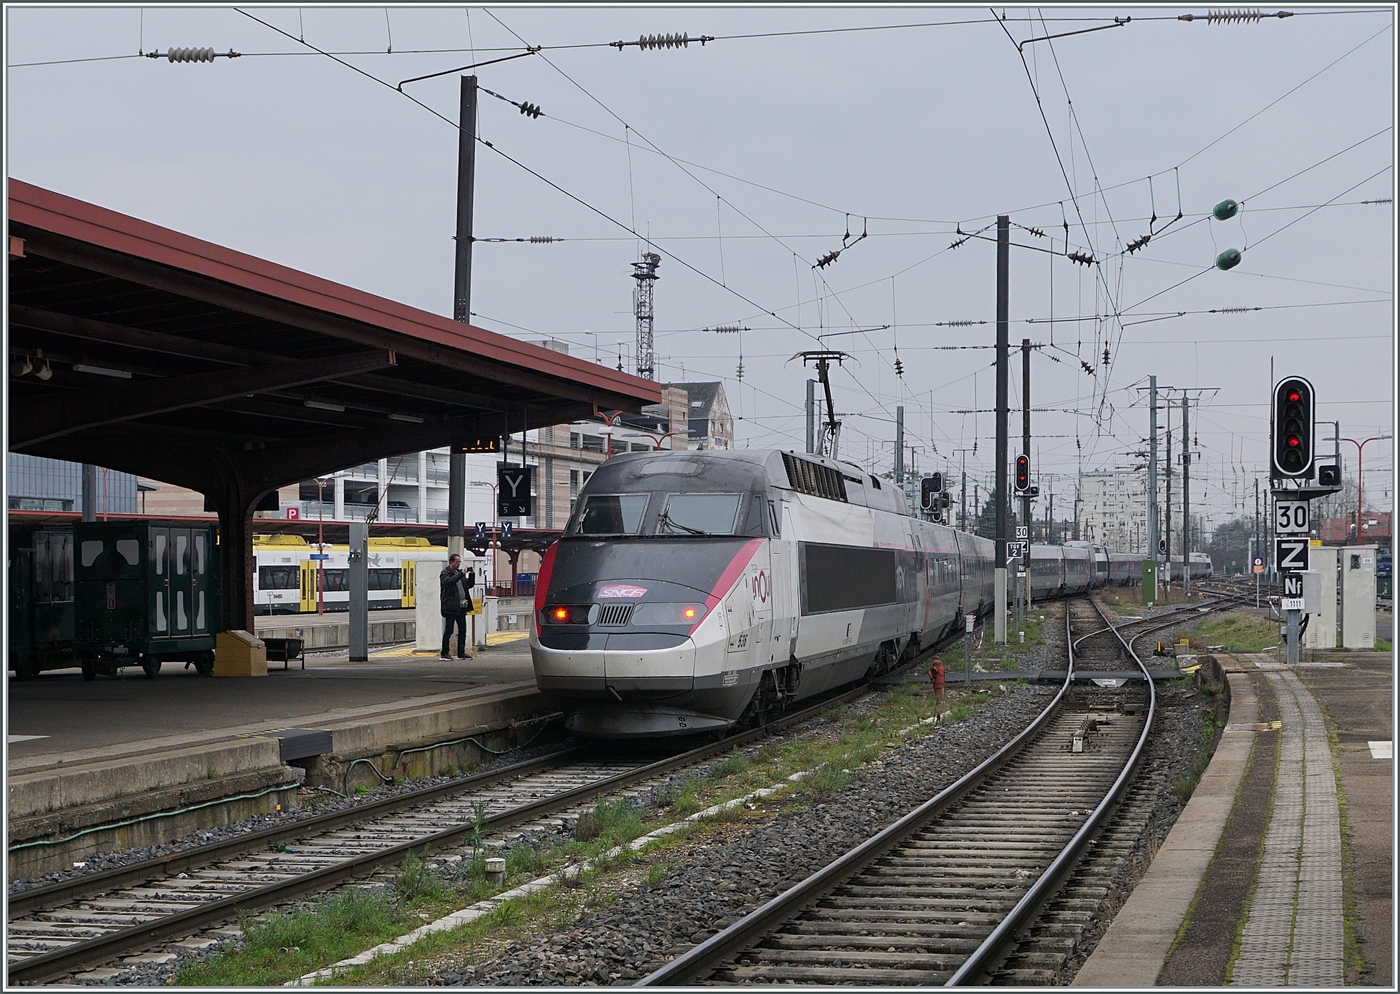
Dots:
{"x": 553, "y": 185}
{"x": 1090, "y": 224}
{"x": 756, "y": 35}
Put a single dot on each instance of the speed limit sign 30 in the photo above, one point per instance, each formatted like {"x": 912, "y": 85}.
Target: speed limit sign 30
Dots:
{"x": 1291, "y": 517}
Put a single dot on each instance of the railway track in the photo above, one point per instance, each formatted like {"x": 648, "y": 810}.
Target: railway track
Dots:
{"x": 61, "y": 928}
{"x": 939, "y": 896}
{"x": 58, "y": 929}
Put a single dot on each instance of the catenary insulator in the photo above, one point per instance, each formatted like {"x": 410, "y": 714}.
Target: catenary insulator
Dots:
{"x": 1225, "y": 210}
{"x": 1228, "y": 259}
{"x": 190, "y": 55}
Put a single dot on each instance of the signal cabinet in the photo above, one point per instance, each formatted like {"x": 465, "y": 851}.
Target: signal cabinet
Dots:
{"x": 1358, "y": 572}
{"x": 1322, "y": 624}
{"x": 145, "y": 591}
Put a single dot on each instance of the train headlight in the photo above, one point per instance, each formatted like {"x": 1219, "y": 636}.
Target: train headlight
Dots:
{"x": 569, "y": 614}
{"x": 668, "y": 614}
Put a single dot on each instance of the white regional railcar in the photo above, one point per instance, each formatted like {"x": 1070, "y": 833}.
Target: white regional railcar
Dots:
{"x": 286, "y": 577}
{"x": 692, "y": 590}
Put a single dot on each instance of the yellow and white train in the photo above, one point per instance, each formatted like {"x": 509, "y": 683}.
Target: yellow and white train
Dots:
{"x": 286, "y": 578}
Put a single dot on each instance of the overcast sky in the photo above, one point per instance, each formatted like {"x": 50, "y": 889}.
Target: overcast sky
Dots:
{"x": 747, "y": 159}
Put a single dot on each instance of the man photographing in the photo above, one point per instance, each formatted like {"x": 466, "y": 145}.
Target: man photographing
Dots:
{"x": 456, "y": 587}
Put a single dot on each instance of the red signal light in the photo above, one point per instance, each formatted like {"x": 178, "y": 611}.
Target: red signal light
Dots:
{"x": 1294, "y": 396}
{"x": 1293, "y": 441}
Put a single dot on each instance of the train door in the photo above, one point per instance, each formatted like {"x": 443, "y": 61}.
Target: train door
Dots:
{"x": 760, "y": 581}
{"x": 307, "y": 574}
{"x": 201, "y": 582}
{"x": 408, "y": 583}
{"x": 21, "y": 635}
{"x": 181, "y": 605}
{"x": 784, "y": 584}
{"x": 160, "y": 553}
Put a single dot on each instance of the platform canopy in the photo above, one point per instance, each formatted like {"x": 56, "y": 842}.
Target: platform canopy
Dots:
{"x": 148, "y": 351}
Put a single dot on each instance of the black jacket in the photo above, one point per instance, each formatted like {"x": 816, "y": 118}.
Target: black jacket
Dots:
{"x": 456, "y": 587}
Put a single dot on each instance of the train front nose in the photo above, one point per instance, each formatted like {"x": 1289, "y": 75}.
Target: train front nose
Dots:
{"x": 614, "y": 666}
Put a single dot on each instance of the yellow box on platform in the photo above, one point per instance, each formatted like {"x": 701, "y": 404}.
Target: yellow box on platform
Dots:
{"x": 239, "y": 653}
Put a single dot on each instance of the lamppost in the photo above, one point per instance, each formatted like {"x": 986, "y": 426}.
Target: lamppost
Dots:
{"x": 1359, "y": 446}
{"x": 608, "y": 429}
{"x": 321, "y": 543}
{"x": 655, "y": 439}
{"x": 494, "y": 543}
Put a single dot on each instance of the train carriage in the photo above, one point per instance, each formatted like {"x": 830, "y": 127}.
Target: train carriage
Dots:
{"x": 1079, "y": 569}
{"x": 1125, "y": 568}
{"x": 285, "y": 578}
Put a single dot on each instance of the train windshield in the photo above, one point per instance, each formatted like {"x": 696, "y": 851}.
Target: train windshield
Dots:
{"x": 611, "y": 514}
{"x": 699, "y": 514}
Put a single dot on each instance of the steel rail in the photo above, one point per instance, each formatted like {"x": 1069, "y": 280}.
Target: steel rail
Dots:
{"x": 60, "y": 962}
{"x": 65, "y": 960}
{"x": 992, "y": 948}
{"x": 96, "y": 883}
{"x": 691, "y": 965}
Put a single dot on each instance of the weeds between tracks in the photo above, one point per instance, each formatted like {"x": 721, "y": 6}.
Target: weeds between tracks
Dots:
{"x": 286, "y": 945}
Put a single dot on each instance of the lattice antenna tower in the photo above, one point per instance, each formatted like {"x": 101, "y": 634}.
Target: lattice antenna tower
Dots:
{"x": 644, "y": 273}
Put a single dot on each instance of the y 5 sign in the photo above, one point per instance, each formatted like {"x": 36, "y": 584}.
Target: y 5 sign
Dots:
{"x": 513, "y": 487}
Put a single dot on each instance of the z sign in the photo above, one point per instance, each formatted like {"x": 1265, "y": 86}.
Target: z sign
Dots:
{"x": 1291, "y": 554}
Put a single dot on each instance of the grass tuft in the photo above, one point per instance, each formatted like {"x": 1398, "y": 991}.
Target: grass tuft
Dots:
{"x": 340, "y": 926}
{"x": 1239, "y": 632}
{"x": 614, "y": 822}
{"x": 731, "y": 766}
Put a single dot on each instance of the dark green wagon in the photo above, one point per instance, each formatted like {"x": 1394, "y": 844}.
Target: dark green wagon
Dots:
{"x": 145, "y": 593}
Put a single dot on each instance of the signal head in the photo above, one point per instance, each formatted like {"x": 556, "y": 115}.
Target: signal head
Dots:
{"x": 1293, "y": 429}
{"x": 1023, "y": 473}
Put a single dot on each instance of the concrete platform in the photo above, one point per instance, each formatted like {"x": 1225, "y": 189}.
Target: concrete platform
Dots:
{"x": 1290, "y": 924}
{"x": 83, "y": 755}
{"x": 332, "y": 630}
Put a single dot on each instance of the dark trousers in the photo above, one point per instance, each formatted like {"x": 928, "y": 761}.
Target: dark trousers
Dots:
{"x": 460, "y": 620}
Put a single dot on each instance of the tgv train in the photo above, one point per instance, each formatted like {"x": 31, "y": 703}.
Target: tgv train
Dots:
{"x": 694, "y": 590}
{"x": 1201, "y": 566}
{"x": 285, "y": 578}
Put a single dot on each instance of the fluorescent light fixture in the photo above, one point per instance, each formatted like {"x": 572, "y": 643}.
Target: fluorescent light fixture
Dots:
{"x": 323, "y": 406}
{"x": 82, "y": 367}
{"x": 406, "y": 417}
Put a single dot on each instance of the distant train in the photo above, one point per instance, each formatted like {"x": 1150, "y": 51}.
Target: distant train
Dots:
{"x": 109, "y": 594}
{"x": 692, "y": 591}
{"x": 142, "y": 592}
{"x": 1201, "y": 567}
{"x": 285, "y": 579}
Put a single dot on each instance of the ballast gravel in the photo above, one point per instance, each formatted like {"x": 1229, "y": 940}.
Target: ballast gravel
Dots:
{"x": 724, "y": 878}
{"x": 317, "y": 802}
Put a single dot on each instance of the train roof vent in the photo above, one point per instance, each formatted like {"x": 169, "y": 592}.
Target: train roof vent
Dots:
{"x": 813, "y": 478}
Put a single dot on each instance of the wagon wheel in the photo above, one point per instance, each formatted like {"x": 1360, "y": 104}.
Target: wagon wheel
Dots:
{"x": 204, "y": 664}
{"x": 150, "y": 665}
